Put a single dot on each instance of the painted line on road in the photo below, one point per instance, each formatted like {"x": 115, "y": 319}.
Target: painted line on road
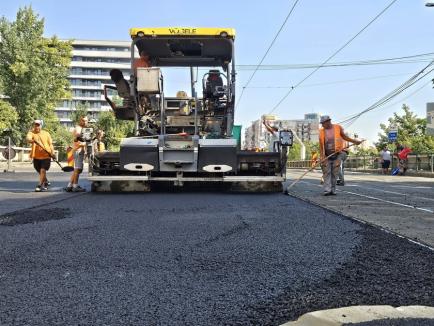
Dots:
{"x": 377, "y": 189}
{"x": 379, "y": 199}
{"x": 357, "y": 219}
{"x": 388, "y": 201}
{"x": 393, "y": 192}
{"x": 412, "y": 187}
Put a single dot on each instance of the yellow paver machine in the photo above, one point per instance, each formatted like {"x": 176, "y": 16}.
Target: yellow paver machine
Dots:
{"x": 183, "y": 139}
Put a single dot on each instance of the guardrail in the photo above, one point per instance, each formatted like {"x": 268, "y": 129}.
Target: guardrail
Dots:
{"x": 22, "y": 154}
{"x": 416, "y": 162}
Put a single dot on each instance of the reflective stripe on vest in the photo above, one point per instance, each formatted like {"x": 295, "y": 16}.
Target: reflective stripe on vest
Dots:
{"x": 339, "y": 142}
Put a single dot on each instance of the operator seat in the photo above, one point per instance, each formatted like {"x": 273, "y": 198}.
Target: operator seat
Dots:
{"x": 126, "y": 111}
{"x": 214, "y": 85}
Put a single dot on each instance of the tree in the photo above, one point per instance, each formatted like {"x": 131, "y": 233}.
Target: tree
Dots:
{"x": 81, "y": 110}
{"x": 8, "y": 116}
{"x": 114, "y": 129}
{"x": 411, "y": 132}
{"x": 33, "y": 69}
{"x": 295, "y": 151}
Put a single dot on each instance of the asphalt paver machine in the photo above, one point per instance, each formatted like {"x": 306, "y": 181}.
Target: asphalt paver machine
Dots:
{"x": 183, "y": 139}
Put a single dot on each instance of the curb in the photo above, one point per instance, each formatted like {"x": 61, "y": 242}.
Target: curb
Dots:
{"x": 359, "y": 314}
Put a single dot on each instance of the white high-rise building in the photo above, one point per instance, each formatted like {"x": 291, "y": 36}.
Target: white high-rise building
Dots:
{"x": 89, "y": 72}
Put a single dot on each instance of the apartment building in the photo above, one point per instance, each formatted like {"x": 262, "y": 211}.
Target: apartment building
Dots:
{"x": 89, "y": 72}
{"x": 256, "y": 136}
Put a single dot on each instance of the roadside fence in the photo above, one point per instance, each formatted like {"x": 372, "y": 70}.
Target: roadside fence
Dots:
{"x": 416, "y": 162}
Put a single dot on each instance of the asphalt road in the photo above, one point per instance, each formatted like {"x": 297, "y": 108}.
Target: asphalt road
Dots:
{"x": 404, "y": 205}
{"x": 195, "y": 258}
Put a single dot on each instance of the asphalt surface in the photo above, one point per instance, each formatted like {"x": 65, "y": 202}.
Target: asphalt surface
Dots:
{"x": 404, "y": 205}
{"x": 195, "y": 258}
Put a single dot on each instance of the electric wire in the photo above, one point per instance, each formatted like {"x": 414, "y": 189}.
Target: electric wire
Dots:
{"x": 337, "y": 81}
{"x": 333, "y": 55}
{"x": 385, "y": 99}
{"x": 266, "y": 52}
{"x": 397, "y": 102}
{"x": 424, "y": 57}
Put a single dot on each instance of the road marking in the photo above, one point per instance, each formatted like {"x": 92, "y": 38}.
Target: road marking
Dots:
{"x": 391, "y": 192}
{"x": 395, "y": 192}
{"x": 360, "y": 220}
{"x": 388, "y": 201}
{"x": 379, "y": 199}
{"x": 413, "y": 187}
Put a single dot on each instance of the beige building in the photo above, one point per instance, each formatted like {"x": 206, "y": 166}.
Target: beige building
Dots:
{"x": 256, "y": 136}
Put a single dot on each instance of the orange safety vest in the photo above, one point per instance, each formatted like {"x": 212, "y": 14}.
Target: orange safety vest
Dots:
{"x": 339, "y": 141}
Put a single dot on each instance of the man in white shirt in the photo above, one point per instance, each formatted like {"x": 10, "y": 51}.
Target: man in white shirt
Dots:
{"x": 79, "y": 154}
{"x": 274, "y": 135}
{"x": 385, "y": 158}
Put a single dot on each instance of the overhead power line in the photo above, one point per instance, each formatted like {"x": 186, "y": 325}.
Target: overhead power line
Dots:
{"x": 334, "y": 54}
{"x": 424, "y": 57}
{"x": 385, "y": 99}
{"x": 345, "y": 81}
{"x": 397, "y": 102}
{"x": 266, "y": 52}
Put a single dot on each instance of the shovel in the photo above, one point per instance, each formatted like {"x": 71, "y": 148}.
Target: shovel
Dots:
{"x": 64, "y": 168}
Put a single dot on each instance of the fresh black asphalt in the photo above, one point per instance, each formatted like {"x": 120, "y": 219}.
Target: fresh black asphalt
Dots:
{"x": 198, "y": 258}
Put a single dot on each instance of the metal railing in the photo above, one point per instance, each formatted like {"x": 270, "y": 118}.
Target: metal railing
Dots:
{"x": 22, "y": 154}
{"x": 416, "y": 162}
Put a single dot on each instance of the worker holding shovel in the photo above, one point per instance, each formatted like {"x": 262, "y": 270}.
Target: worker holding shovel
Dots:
{"x": 331, "y": 142}
{"x": 41, "y": 153}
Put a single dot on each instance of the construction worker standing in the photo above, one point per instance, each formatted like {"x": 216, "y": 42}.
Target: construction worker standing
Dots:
{"x": 41, "y": 153}
{"x": 331, "y": 143}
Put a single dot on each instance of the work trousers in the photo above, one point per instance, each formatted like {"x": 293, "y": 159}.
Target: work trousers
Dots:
{"x": 341, "y": 177}
{"x": 330, "y": 172}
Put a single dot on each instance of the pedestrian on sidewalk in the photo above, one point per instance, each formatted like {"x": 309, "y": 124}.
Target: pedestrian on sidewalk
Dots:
{"x": 331, "y": 142}
{"x": 385, "y": 159}
{"x": 402, "y": 154}
{"x": 79, "y": 150}
{"x": 42, "y": 151}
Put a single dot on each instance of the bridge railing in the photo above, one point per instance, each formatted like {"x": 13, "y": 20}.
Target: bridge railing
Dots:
{"x": 416, "y": 162}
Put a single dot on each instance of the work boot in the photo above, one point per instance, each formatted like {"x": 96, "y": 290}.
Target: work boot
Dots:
{"x": 78, "y": 189}
{"x": 40, "y": 188}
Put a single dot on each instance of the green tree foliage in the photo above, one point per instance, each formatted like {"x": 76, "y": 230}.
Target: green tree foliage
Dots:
{"x": 411, "y": 132}
{"x": 295, "y": 151}
{"x": 33, "y": 69}
{"x": 81, "y": 110}
{"x": 8, "y": 116}
{"x": 114, "y": 129}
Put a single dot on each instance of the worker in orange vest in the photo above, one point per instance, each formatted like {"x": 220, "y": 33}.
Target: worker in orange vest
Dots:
{"x": 331, "y": 143}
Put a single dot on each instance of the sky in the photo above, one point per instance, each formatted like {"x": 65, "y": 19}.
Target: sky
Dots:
{"x": 314, "y": 31}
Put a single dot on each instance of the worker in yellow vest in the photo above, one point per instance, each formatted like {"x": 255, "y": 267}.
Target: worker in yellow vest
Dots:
{"x": 332, "y": 143}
